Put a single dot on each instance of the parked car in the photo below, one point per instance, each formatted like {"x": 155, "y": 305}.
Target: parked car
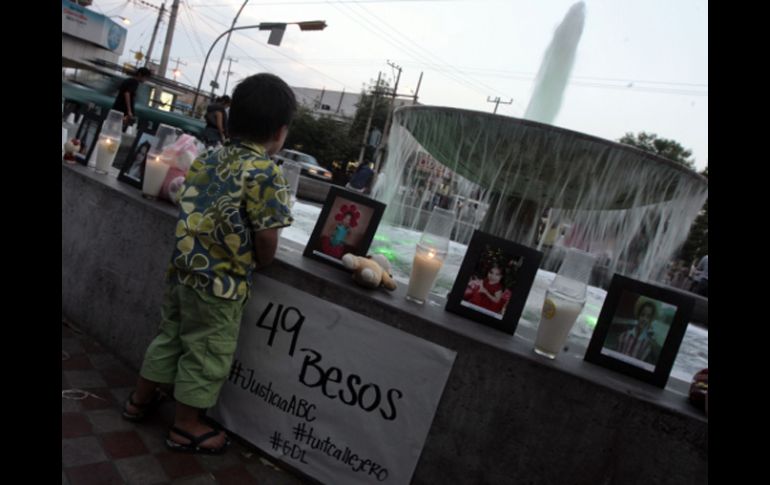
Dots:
{"x": 308, "y": 164}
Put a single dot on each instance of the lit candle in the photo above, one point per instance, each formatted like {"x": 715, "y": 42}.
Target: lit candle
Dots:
{"x": 155, "y": 171}
{"x": 425, "y": 267}
{"x": 106, "y": 149}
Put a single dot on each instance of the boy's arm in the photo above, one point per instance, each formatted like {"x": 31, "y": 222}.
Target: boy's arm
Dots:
{"x": 265, "y": 245}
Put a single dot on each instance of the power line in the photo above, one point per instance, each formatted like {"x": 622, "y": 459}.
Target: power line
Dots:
{"x": 317, "y": 2}
{"x": 427, "y": 54}
{"x": 401, "y": 45}
{"x": 498, "y": 102}
{"x": 277, "y": 51}
{"x": 188, "y": 13}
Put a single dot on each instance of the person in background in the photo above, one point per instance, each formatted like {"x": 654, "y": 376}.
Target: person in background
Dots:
{"x": 362, "y": 177}
{"x": 701, "y": 277}
{"x": 215, "y": 132}
{"x": 126, "y": 97}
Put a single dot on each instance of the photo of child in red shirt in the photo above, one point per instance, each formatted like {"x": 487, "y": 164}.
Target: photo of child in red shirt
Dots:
{"x": 490, "y": 286}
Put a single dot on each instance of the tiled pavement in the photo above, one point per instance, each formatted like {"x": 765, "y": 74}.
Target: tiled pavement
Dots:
{"x": 100, "y": 447}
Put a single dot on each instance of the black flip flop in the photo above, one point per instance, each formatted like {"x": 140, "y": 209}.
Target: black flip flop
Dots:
{"x": 194, "y": 445}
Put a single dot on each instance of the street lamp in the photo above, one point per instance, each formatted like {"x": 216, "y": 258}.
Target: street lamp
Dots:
{"x": 126, "y": 21}
{"x": 224, "y": 49}
{"x": 272, "y": 26}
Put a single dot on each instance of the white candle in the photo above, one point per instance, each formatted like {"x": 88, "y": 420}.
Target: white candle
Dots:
{"x": 106, "y": 149}
{"x": 155, "y": 171}
{"x": 558, "y": 317}
{"x": 425, "y": 267}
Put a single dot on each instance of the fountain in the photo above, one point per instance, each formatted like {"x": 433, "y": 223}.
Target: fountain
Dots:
{"x": 541, "y": 186}
{"x": 518, "y": 178}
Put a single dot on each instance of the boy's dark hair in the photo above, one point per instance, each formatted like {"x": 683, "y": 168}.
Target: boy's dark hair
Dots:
{"x": 144, "y": 72}
{"x": 223, "y": 99}
{"x": 261, "y": 105}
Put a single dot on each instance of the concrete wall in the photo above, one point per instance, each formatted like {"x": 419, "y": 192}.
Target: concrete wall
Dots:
{"x": 506, "y": 415}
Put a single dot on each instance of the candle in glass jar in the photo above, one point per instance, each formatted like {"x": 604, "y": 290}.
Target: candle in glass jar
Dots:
{"x": 155, "y": 171}
{"x": 425, "y": 267}
{"x": 106, "y": 149}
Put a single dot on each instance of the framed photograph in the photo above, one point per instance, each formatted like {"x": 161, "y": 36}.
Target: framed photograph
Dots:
{"x": 347, "y": 224}
{"x": 639, "y": 330}
{"x": 88, "y": 133}
{"x": 494, "y": 281}
{"x": 132, "y": 169}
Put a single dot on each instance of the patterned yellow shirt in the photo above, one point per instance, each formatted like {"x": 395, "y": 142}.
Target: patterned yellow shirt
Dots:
{"x": 227, "y": 195}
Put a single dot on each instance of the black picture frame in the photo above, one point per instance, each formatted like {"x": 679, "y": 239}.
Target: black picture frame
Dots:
{"x": 88, "y": 133}
{"x": 132, "y": 168}
{"x": 323, "y": 243}
{"x": 612, "y": 344}
{"x": 517, "y": 267}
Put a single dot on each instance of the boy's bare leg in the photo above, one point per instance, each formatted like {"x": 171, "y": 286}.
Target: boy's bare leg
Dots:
{"x": 142, "y": 393}
{"x": 187, "y": 419}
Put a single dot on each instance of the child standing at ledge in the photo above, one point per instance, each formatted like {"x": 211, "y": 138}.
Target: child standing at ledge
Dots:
{"x": 232, "y": 205}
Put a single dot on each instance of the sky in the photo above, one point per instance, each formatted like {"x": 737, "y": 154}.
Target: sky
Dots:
{"x": 639, "y": 66}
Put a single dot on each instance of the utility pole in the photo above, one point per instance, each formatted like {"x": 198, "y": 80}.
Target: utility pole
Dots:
{"x": 498, "y": 102}
{"x": 369, "y": 121}
{"x": 419, "y": 81}
{"x": 340, "y": 103}
{"x": 214, "y": 84}
{"x": 154, "y": 33}
{"x": 229, "y": 65}
{"x": 386, "y": 133}
{"x": 169, "y": 38}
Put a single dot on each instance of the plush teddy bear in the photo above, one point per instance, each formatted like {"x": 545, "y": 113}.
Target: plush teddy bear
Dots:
{"x": 70, "y": 148}
{"x": 371, "y": 271}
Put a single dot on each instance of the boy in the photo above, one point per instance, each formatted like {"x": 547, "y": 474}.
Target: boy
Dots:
{"x": 232, "y": 205}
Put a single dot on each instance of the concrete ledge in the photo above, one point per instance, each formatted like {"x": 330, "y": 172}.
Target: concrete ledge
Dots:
{"x": 506, "y": 415}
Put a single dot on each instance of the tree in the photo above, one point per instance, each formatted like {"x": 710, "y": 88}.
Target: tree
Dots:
{"x": 697, "y": 243}
{"x": 324, "y": 137}
{"x": 669, "y": 149}
{"x": 329, "y": 139}
{"x": 364, "y": 109}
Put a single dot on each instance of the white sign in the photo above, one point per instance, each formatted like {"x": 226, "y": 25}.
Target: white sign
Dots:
{"x": 88, "y": 25}
{"x": 335, "y": 394}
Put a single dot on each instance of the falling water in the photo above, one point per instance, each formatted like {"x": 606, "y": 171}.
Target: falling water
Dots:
{"x": 503, "y": 174}
{"x": 554, "y": 70}
{"x": 517, "y": 178}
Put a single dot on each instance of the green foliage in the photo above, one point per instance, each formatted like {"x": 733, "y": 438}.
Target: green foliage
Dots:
{"x": 324, "y": 137}
{"x": 669, "y": 149}
{"x": 381, "y": 106}
{"x": 329, "y": 139}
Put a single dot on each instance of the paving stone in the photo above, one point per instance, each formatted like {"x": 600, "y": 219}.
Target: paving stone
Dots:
{"x": 84, "y": 379}
{"x": 103, "y": 473}
{"x": 81, "y": 451}
{"x": 107, "y": 420}
{"x": 141, "y": 470}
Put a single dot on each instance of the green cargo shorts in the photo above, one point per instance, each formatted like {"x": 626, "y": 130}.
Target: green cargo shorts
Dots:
{"x": 195, "y": 344}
